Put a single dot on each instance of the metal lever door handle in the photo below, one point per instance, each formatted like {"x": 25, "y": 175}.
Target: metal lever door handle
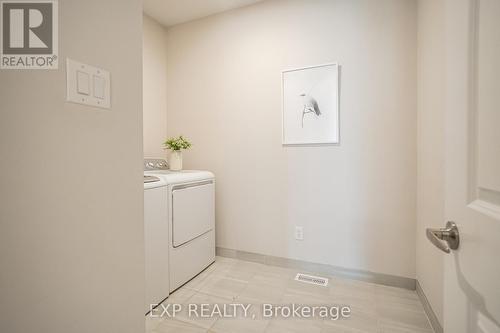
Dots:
{"x": 444, "y": 238}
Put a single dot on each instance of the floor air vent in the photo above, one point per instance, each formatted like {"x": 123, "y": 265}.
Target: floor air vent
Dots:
{"x": 319, "y": 281}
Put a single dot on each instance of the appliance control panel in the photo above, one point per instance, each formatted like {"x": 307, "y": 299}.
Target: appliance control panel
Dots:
{"x": 155, "y": 164}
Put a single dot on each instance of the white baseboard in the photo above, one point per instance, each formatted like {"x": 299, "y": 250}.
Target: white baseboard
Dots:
{"x": 362, "y": 275}
{"x": 431, "y": 315}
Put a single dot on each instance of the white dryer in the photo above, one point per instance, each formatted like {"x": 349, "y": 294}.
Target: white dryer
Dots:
{"x": 191, "y": 220}
{"x": 156, "y": 249}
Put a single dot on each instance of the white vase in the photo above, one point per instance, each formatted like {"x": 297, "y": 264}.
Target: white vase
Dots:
{"x": 176, "y": 160}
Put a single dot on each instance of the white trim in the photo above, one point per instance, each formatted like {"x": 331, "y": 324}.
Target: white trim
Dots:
{"x": 321, "y": 269}
{"x": 431, "y": 315}
{"x": 485, "y": 208}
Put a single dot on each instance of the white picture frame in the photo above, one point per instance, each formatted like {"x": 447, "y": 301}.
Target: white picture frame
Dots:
{"x": 310, "y": 105}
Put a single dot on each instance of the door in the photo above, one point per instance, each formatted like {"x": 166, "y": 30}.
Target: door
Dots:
{"x": 193, "y": 211}
{"x": 472, "y": 272}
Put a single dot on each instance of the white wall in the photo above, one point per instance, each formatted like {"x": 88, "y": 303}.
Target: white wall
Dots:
{"x": 356, "y": 201}
{"x": 71, "y": 231}
{"x": 154, "y": 88}
{"x": 431, "y": 106}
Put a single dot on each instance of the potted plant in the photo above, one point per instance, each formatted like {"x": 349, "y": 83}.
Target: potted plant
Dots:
{"x": 176, "y": 145}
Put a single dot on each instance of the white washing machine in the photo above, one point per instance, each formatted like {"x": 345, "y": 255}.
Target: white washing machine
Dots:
{"x": 191, "y": 220}
{"x": 156, "y": 249}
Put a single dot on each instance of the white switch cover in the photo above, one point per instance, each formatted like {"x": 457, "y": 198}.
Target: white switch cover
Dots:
{"x": 82, "y": 83}
{"x": 99, "y": 87}
{"x": 88, "y": 85}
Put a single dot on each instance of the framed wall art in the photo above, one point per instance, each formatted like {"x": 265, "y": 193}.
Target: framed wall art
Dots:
{"x": 310, "y": 105}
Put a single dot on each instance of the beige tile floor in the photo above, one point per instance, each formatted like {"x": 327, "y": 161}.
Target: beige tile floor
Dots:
{"x": 374, "y": 308}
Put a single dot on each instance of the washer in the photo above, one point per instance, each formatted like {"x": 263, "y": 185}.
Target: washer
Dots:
{"x": 191, "y": 220}
{"x": 156, "y": 249}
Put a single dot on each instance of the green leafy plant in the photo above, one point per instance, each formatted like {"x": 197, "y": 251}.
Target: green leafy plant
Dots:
{"x": 177, "y": 143}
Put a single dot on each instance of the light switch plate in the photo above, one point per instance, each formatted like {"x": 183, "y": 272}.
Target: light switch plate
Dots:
{"x": 99, "y": 87}
{"x": 88, "y": 85}
{"x": 82, "y": 83}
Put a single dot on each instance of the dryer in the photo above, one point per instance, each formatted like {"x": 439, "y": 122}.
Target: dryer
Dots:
{"x": 191, "y": 220}
{"x": 156, "y": 249}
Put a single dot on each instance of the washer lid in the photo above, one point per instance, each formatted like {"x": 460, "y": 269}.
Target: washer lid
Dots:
{"x": 150, "y": 179}
{"x": 184, "y": 176}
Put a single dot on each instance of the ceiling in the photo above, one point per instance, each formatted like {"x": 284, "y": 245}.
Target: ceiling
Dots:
{"x": 171, "y": 12}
